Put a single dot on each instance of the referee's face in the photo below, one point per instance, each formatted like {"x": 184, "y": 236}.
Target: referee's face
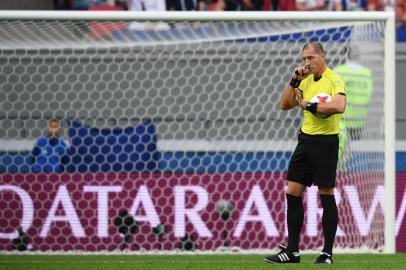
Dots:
{"x": 314, "y": 61}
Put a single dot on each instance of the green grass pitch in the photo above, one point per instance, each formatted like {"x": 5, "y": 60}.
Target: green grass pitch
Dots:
{"x": 194, "y": 262}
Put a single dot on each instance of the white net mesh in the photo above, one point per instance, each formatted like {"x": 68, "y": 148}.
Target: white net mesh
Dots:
{"x": 173, "y": 137}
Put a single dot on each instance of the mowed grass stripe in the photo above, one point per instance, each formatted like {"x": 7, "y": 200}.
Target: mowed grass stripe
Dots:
{"x": 194, "y": 262}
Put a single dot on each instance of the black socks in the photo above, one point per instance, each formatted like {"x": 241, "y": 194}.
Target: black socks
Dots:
{"x": 295, "y": 217}
{"x": 329, "y": 221}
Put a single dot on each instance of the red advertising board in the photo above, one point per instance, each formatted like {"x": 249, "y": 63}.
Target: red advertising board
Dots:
{"x": 76, "y": 212}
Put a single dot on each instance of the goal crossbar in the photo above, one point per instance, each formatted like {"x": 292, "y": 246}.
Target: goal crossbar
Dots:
{"x": 195, "y": 16}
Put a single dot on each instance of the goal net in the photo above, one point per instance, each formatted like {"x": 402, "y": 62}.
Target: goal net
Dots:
{"x": 172, "y": 137}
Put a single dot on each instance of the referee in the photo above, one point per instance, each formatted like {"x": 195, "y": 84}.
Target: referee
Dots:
{"x": 314, "y": 160}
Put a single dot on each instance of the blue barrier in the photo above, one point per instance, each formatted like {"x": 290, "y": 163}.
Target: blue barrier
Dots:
{"x": 231, "y": 33}
{"x": 211, "y": 162}
{"x": 195, "y": 162}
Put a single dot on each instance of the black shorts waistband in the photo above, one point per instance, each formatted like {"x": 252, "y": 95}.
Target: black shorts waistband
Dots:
{"x": 305, "y": 135}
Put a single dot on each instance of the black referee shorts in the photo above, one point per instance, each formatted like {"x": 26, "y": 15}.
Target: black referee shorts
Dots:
{"x": 314, "y": 160}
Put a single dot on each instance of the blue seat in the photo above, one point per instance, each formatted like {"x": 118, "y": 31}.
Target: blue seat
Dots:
{"x": 15, "y": 162}
{"x": 112, "y": 150}
{"x": 401, "y": 34}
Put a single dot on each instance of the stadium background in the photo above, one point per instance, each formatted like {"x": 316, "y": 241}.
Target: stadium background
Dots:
{"x": 164, "y": 165}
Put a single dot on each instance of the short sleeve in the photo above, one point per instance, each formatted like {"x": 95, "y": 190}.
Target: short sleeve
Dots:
{"x": 339, "y": 86}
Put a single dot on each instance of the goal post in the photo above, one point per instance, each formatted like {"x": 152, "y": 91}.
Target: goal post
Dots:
{"x": 390, "y": 124}
{"x": 172, "y": 123}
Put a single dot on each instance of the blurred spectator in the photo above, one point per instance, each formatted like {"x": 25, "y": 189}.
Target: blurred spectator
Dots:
{"x": 354, "y": 5}
{"x": 311, "y": 5}
{"x": 381, "y": 5}
{"x": 86, "y": 4}
{"x": 49, "y": 150}
{"x": 358, "y": 81}
{"x": 283, "y": 5}
{"x": 400, "y": 11}
{"x": 122, "y": 3}
{"x": 185, "y": 5}
{"x": 208, "y": 5}
{"x": 146, "y": 5}
{"x": 251, "y": 5}
{"x": 334, "y": 5}
{"x": 239, "y": 5}
{"x": 27, "y": 5}
{"x": 62, "y": 4}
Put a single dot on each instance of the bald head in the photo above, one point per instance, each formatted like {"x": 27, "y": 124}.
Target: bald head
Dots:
{"x": 316, "y": 46}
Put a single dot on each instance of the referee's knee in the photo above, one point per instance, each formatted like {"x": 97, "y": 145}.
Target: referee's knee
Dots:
{"x": 326, "y": 191}
{"x": 295, "y": 189}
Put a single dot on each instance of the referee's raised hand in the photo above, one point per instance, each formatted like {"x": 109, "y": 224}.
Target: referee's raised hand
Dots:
{"x": 300, "y": 73}
{"x": 299, "y": 98}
